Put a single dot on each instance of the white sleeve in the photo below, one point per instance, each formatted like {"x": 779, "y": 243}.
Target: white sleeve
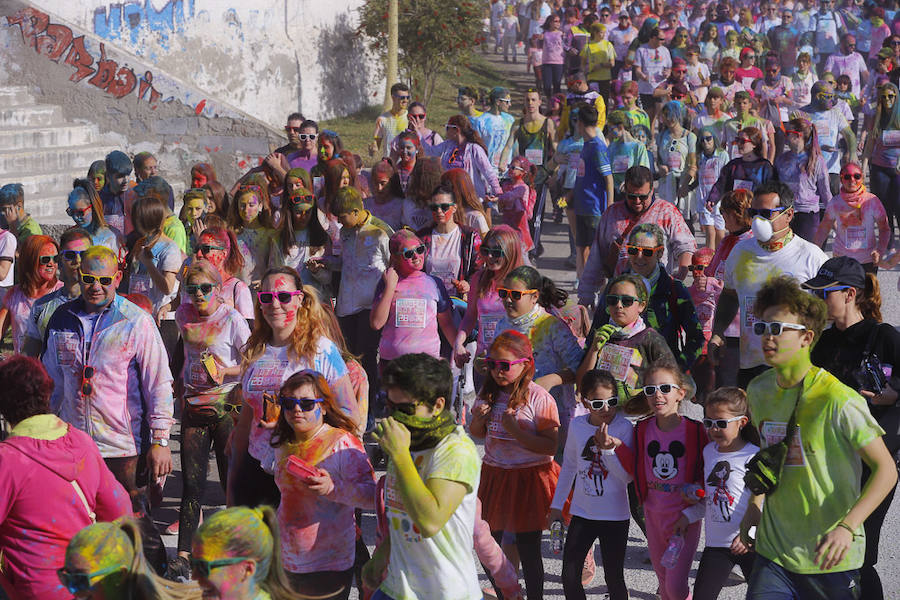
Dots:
{"x": 567, "y": 471}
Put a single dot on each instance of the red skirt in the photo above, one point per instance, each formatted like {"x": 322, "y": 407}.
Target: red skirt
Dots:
{"x": 517, "y": 500}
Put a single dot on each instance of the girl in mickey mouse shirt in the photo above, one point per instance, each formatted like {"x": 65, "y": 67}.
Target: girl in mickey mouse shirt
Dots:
{"x": 667, "y": 456}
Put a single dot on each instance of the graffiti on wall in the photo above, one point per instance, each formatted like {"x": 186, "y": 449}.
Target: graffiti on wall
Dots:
{"x": 131, "y": 18}
{"x": 58, "y": 43}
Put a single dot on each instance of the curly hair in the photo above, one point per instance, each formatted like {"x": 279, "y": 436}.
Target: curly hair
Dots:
{"x": 28, "y": 388}
{"x": 784, "y": 291}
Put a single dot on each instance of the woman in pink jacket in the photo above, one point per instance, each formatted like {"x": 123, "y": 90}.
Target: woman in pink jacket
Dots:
{"x": 53, "y": 483}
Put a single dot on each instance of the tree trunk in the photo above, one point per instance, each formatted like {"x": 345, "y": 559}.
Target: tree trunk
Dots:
{"x": 391, "y": 76}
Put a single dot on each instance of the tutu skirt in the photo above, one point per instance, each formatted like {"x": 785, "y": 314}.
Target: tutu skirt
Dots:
{"x": 517, "y": 500}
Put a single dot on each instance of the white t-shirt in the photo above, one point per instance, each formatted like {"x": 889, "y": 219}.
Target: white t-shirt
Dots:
{"x": 726, "y": 499}
{"x": 222, "y": 334}
{"x": 443, "y": 258}
{"x": 8, "y": 250}
{"x": 167, "y": 258}
{"x": 799, "y": 259}
{"x": 601, "y": 483}
{"x": 653, "y": 62}
{"x": 477, "y": 221}
{"x": 829, "y": 124}
{"x": 441, "y": 566}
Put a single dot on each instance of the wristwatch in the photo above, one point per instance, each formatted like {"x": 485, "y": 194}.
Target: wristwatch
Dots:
{"x": 164, "y": 442}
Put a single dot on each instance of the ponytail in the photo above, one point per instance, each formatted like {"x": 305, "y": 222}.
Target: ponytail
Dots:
{"x": 275, "y": 581}
{"x": 550, "y": 296}
{"x": 869, "y": 299}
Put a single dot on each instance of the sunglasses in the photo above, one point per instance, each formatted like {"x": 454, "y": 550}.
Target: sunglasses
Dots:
{"x": 792, "y": 132}
{"x": 308, "y": 137}
{"x": 46, "y": 260}
{"x": 601, "y": 403}
{"x": 765, "y": 213}
{"x": 720, "y": 423}
{"x": 202, "y": 568}
{"x": 823, "y": 293}
{"x": 775, "y": 327}
{"x": 824, "y": 96}
{"x": 635, "y": 250}
{"x": 696, "y": 268}
{"x": 403, "y": 97}
{"x": 707, "y": 138}
{"x": 407, "y": 408}
{"x": 448, "y": 126}
{"x": 292, "y": 129}
{"x": 665, "y": 388}
{"x": 443, "y": 207}
{"x": 78, "y": 583}
{"x": 416, "y": 116}
{"x": 78, "y": 212}
{"x": 71, "y": 255}
{"x": 516, "y": 295}
{"x": 743, "y": 140}
{"x": 851, "y": 176}
{"x": 283, "y": 297}
{"x": 625, "y": 300}
{"x": 305, "y": 404}
{"x": 307, "y": 199}
{"x": 490, "y": 252}
{"x": 87, "y": 388}
{"x": 207, "y": 248}
{"x": 503, "y": 365}
{"x": 888, "y": 96}
{"x": 641, "y": 197}
{"x": 204, "y": 288}
{"x": 104, "y": 280}
{"x": 411, "y": 253}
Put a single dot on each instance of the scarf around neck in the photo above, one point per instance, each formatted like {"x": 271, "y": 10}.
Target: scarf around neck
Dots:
{"x": 426, "y": 433}
{"x": 630, "y": 330}
{"x": 855, "y": 199}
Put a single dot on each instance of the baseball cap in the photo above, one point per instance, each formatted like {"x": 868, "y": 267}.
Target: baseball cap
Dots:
{"x": 840, "y": 270}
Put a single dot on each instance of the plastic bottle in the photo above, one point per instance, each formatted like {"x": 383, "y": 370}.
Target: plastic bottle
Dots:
{"x": 694, "y": 491}
{"x": 670, "y": 556}
{"x": 557, "y": 534}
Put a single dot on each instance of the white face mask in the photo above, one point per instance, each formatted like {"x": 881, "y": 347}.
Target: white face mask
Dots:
{"x": 762, "y": 229}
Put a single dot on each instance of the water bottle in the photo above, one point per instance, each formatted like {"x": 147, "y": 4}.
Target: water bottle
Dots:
{"x": 557, "y": 533}
{"x": 670, "y": 556}
{"x": 694, "y": 491}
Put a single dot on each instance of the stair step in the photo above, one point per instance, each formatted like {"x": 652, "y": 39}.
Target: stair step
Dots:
{"x": 15, "y": 96}
{"x": 47, "y": 137}
{"x": 49, "y": 210}
{"x": 51, "y": 159}
{"x": 30, "y": 116}
{"x": 40, "y": 188}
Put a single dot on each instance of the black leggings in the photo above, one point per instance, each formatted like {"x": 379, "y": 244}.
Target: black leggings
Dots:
{"x": 715, "y": 567}
{"x": 196, "y": 439}
{"x": 869, "y": 581}
{"x": 252, "y": 486}
{"x": 529, "y": 545}
{"x": 613, "y": 537}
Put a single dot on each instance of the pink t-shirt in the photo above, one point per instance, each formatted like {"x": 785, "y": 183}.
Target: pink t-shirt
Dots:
{"x": 662, "y": 459}
{"x": 19, "y": 306}
{"x": 855, "y": 228}
{"x": 705, "y": 299}
{"x": 412, "y": 322}
{"x": 554, "y": 53}
{"x": 538, "y": 414}
{"x": 318, "y": 533}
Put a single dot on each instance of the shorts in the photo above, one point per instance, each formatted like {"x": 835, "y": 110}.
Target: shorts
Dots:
{"x": 713, "y": 218}
{"x": 586, "y": 229}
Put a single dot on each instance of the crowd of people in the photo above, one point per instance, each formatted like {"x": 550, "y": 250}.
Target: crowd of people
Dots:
{"x": 320, "y": 326}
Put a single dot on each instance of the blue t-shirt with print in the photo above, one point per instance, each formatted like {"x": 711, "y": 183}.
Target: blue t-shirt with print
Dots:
{"x": 590, "y": 184}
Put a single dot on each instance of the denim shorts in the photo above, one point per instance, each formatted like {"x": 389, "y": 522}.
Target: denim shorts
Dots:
{"x": 771, "y": 581}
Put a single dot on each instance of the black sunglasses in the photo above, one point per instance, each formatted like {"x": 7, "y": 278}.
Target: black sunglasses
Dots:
{"x": 615, "y": 299}
{"x": 204, "y": 288}
{"x": 407, "y": 408}
{"x": 765, "y": 213}
{"x": 283, "y": 297}
{"x": 845, "y": 177}
{"x": 87, "y": 388}
{"x": 495, "y": 252}
{"x": 305, "y": 404}
{"x": 410, "y": 253}
{"x": 443, "y": 207}
{"x": 503, "y": 365}
{"x": 635, "y": 250}
{"x": 640, "y": 197}
{"x": 697, "y": 268}
{"x": 104, "y": 280}
{"x": 47, "y": 259}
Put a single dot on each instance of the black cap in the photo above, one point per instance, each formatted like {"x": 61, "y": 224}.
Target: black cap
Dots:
{"x": 840, "y": 270}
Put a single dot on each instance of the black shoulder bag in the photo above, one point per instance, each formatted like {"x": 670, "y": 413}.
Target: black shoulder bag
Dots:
{"x": 764, "y": 469}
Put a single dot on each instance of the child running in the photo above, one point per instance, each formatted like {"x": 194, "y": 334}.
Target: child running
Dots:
{"x": 600, "y": 496}
{"x": 724, "y": 463}
{"x": 667, "y": 457}
{"x": 520, "y": 424}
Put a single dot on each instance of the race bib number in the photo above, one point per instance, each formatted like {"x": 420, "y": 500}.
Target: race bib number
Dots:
{"x": 410, "y": 312}
{"x": 620, "y": 164}
{"x": 891, "y": 137}
{"x": 708, "y": 174}
{"x": 674, "y": 161}
{"x": 856, "y": 238}
{"x": 487, "y": 328}
{"x": 495, "y": 423}
{"x": 826, "y": 135}
{"x": 579, "y": 171}
{"x": 749, "y": 317}
{"x": 783, "y": 115}
{"x": 743, "y": 184}
{"x": 535, "y": 156}
{"x": 66, "y": 348}
{"x": 773, "y": 432}
{"x": 619, "y": 360}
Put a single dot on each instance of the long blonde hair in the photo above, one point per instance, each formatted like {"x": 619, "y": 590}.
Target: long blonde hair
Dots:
{"x": 311, "y": 324}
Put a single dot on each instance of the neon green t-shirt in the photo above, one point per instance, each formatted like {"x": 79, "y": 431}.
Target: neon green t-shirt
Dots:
{"x": 820, "y": 480}
{"x": 598, "y": 55}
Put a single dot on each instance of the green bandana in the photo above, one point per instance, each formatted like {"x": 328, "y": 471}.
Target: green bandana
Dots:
{"x": 426, "y": 433}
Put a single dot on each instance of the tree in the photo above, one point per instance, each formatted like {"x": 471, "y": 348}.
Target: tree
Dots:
{"x": 435, "y": 36}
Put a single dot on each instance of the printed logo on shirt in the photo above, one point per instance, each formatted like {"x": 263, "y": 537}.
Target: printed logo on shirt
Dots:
{"x": 773, "y": 432}
{"x": 722, "y": 499}
{"x": 266, "y": 375}
{"x": 495, "y": 424}
{"x": 66, "y": 348}
{"x": 592, "y": 478}
{"x": 665, "y": 463}
{"x": 398, "y": 519}
{"x": 410, "y": 312}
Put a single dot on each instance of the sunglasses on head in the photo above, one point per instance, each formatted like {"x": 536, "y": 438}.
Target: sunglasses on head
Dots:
{"x": 635, "y": 250}
{"x": 503, "y": 365}
{"x": 283, "y": 297}
{"x": 443, "y": 206}
{"x": 202, "y": 568}
{"x": 823, "y": 293}
{"x": 104, "y": 280}
{"x": 410, "y": 253}
{"x": 602, "y": 403}
{"x": 514, "y": 294}
{"x": 720, "y": 423}
{"x": 623, "y": 299}
{"x": 851, "y": 176}
{"x": 78, "y": 583}
{"x": 765, "y": 213}
{"x": 78, "y": 212}
{"x": 641, "y": 197}
{"x": 207, "y": 248}
{"x": 71, "y": 255}
{"x": 495, "y": 252}
{"x": 204, "y": 288}
{"x": 305, "y": 404}
{"x": 47, "y": 259}
{"x": 665, "y": 388}
{"x": 775, "y": 327}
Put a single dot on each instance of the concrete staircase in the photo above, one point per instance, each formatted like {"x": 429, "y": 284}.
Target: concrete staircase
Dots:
{"x": 44, "y": 152}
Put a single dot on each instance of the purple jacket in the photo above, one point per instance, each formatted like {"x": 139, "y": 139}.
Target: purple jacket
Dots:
{"x": 475, "y": 162}
{"x": 39, "y": 508}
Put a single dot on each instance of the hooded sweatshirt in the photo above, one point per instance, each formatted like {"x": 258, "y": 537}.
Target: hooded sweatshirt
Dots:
{"x": 40, "y": 510}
